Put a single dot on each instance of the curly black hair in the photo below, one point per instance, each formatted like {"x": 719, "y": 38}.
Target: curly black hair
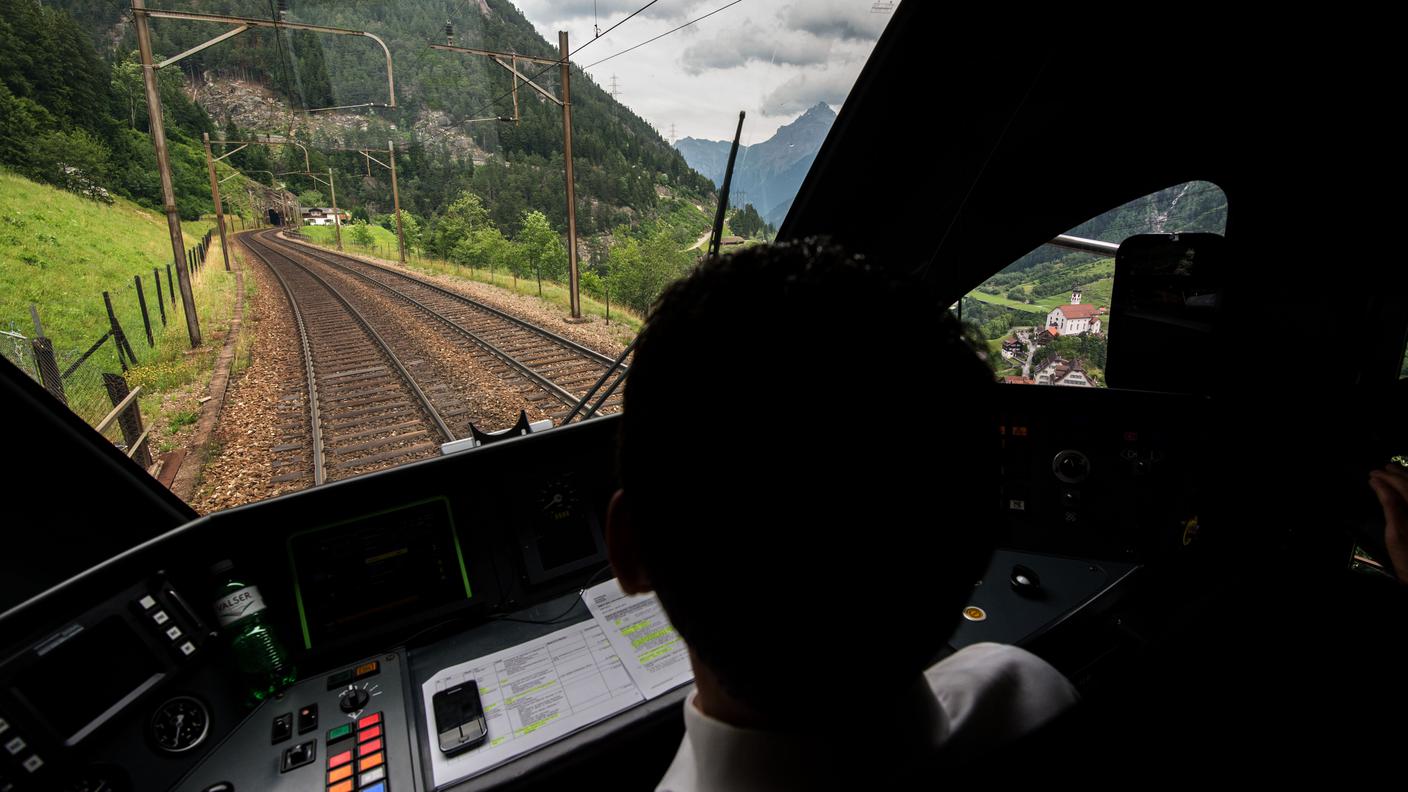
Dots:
{"x": 809, "y": 454}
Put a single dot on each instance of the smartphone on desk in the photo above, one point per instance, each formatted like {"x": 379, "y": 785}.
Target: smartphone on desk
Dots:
{"x": 459, "y": 718}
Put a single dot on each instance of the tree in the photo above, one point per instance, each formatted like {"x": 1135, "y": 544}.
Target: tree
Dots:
{"x": 540, "y": 247}
{"x": 466, "y": 215}
{"x": 310, "y": 198}
{"x": 75, "y": 161}
{"x": 410, "y": 227}
{"x": 639, "y": 271}
{"x": 362, "y": 234}
{"x": 484, "y": 247}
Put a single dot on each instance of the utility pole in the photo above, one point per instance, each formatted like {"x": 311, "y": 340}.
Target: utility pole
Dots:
{"x": 395, "y": 198}
{"x": 509, "y": 61}
{"x": 163, "y": 164}
{"x": 336, "y": 216}
{"x": 576, "y": 299}
{"x": 140, "y": 15}
{"x": 215, "y": 196}
{"x": 390, "y": 165}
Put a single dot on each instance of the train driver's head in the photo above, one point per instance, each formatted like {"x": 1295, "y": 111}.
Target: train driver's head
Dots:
{"x": 809, "y": 469}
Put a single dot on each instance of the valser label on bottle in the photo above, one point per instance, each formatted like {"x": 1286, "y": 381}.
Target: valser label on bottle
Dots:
{"x": 238, "y": 604}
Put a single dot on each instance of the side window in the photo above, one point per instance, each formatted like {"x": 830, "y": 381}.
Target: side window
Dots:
{"x": 1046, "y": 315}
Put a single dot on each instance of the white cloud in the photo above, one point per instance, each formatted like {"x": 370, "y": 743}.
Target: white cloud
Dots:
{"x": 841, "y": 19}
{"x": 748, "y": 43}
{"x": 772, "y": 58}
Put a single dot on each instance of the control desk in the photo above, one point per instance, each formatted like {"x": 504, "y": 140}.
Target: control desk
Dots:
{"x": 117, "y": 679}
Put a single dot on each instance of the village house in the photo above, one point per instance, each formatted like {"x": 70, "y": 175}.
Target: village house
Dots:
{"x": 1011, "y": 348}
{"x": 1059, "y": 371}
{"x": 323, "y": 215}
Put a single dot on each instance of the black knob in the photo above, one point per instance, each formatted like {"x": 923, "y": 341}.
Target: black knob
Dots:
{"x": 1025, "y": 580}
{"x": 353, "y": 700}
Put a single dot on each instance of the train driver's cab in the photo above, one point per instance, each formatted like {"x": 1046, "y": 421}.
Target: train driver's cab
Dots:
{"x": 1199, "y": 346}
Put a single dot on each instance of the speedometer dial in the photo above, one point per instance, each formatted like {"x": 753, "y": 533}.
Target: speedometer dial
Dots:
{"x": 180, "y": 724}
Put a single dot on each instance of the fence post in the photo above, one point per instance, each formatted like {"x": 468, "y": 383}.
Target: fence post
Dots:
{"x": 119, "y": 337}
{"x": 142, "y": 303}
{"x": 131, "y": 420}
{"x": 160, "y": 301}
{"x": 48, "y": 368}
{"x": 170, "y": 289}
{"x": 608, "y": 305}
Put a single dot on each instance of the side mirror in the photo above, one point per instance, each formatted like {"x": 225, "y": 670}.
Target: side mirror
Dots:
{"x": 1165, "y": 311}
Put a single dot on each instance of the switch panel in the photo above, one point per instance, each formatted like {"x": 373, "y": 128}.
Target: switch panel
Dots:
{"x": 277, "y": 748}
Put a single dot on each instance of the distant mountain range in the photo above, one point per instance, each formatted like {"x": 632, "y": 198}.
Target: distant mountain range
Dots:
{"x": 768, "y": 174}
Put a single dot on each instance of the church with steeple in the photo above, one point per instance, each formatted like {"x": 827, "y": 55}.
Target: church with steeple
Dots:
{"x": 1074, "y": 318}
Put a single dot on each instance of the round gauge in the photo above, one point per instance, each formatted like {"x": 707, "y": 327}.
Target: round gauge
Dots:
{"x": 180, "y": 724}
{"x": 558, "y": 500}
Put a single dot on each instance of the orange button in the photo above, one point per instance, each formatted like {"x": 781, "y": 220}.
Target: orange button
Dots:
{"x": 337, "y": 760}
{"x": 340, "y": 773}
{"x": 367, "y": 734}
{"x": 369, "y": 762}
{"x": 369, "y": 747}
{"x": 367, "y": 668}
{"x": 345, "y": 786}
{"x": 371, "y": 719}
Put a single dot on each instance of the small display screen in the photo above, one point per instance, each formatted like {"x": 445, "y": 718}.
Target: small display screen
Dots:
{"x": 560, "y": 531}
{"x": 375, "y": 570}
{"x": 73, "y": 685}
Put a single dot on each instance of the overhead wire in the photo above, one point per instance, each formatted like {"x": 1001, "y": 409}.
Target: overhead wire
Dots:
{"x": 558, "y": 62}
{"x": 662, "y": 35}
{"x": 489, "y": 104}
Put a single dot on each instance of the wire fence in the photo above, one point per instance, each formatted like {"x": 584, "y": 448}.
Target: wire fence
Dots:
{"x": 132, "y": 340}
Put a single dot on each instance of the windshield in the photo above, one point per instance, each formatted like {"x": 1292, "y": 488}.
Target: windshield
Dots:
{"x": 403, "y": 255}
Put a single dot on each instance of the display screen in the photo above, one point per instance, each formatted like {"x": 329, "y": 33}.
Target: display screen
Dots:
{"x": 375, "y": 570}
{"x": 79, "y": 683}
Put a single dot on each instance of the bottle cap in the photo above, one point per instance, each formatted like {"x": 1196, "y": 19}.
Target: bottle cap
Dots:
{"x": 223, "y": 565}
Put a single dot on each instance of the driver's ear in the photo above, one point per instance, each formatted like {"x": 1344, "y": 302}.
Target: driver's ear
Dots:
{"x": 623, "y": 546}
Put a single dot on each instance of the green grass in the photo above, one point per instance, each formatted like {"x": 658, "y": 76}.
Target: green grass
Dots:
{"x": 1095, "y": 291}
{"x": 60, "y": 252}
{"x": 555, "y": 294}
{"x": 995, "y": 299}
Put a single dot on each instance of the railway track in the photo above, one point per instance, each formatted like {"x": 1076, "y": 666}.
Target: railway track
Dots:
{"x": 546, "y": 366}
{"x": 361, "y": 410}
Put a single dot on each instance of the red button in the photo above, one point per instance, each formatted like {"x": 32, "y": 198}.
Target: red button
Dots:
{"x": 367, "y": 734}
{"x": 370, "y": 762}
{"x": 369, "y": 747}
{"x": 373, "y": 718}
{"x": 339, "y": 759}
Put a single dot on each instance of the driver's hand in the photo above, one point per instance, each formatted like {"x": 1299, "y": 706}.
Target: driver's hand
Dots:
{"x": 1391, "y": 485}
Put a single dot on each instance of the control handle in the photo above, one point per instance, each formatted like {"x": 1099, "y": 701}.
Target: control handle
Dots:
{"x": 353, "y": 699}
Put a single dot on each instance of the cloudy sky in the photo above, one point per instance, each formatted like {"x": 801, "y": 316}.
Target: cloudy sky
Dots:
{"x": 772, "y": 58}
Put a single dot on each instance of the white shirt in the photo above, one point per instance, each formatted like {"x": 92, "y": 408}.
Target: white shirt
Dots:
{"x": 978, "y": 697}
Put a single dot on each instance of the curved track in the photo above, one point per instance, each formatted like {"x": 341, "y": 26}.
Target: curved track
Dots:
{"x": 557, "y": 368}
{"x": 361, "y": 410}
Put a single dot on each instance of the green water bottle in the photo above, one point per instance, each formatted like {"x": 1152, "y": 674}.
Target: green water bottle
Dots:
{"x": 257, "y": 651}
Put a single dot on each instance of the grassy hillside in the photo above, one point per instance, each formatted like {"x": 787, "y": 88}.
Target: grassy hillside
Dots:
{"x": 60, "y": 252}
